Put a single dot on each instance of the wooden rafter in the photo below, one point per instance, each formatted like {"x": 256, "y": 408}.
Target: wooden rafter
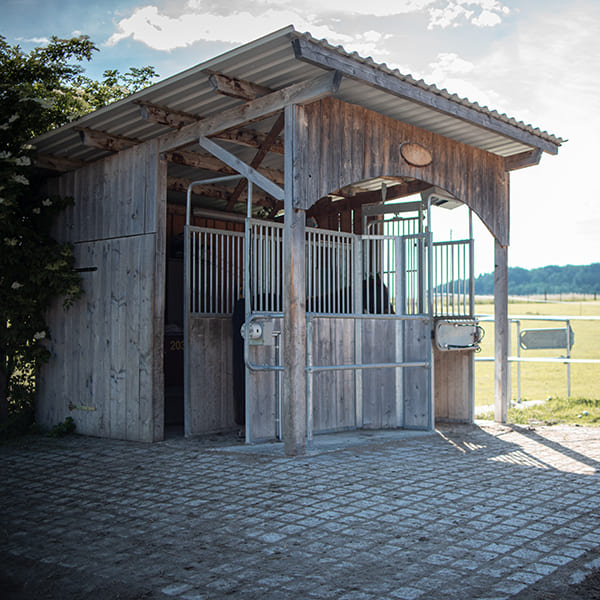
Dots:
{"x": 210, "y": 163}
{"x": 236, "y": 88}
{"x": 105, "y": 141}
{"x": 259, "y": 198}
{"x": 164, "y": 115}
{"x": 57, "y": 163}
{"x": 255, "y": 110}
{"x": 259, "y": 156}
{"x": 522, "y": 160}
{"x": 249, "y": 138}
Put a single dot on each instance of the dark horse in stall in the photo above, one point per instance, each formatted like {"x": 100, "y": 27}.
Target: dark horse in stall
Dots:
{"x": 376, "y": 300}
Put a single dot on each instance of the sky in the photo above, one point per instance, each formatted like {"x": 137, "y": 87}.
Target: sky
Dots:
{"x": 535, "y": 60}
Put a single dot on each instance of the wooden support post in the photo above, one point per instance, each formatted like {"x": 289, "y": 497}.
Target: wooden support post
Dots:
{"x": 501, "y": 332}
{"x": 294, "y": 294}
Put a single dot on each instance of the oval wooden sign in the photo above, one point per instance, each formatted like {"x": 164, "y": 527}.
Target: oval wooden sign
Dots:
{"x": 415, "y": 154}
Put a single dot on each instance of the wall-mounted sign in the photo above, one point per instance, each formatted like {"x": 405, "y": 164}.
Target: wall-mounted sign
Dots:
{"x": 415, "y": 154}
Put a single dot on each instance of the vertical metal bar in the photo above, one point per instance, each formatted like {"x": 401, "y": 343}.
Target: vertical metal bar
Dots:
{"x": 358, "y": 268}
{"x": 309, "y": 271}
{"x": 568, "y": 332}
{"x": 518, "y": 322}
{"x": 273, "y": 260}
{"x": 221, "y": 274}
{"x": 399, "y": 286}
{"x": 329, "y": 282}
{"x": 431, "y": 399}
{"x": 211, "y": 274}
{"x": 186, "y": 330}
{"x": 367, "y": 275}
{"x": 339, "y": 274}
{"x": 260, "y": 282}
{"x": 247, "y": 257}
{"x": 226, "y": 276}
{"x": 309, "y": 377}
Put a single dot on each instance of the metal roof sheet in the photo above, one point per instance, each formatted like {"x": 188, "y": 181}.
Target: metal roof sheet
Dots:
{"x": 271, "y": 62}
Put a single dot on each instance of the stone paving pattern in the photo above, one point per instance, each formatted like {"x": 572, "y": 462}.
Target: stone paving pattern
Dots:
{"x": 468, "y": 512}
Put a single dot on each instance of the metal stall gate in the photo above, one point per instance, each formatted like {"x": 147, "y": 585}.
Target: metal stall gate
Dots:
{"x": 368, "y": 324}
{"x": 368, "y": 346}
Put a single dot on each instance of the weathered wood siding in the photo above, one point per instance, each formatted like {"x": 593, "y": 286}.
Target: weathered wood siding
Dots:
{"x": 453, "y": 371}
{"x": 263, "y": 388}
{"x": 417, "y": 380}
{"x": 333, "y": 391}
{"x": 348, "y": 143}
{"x": 211, "y": 377}
{"x": 379, "y": 385}
{"x": 107, "y": 350}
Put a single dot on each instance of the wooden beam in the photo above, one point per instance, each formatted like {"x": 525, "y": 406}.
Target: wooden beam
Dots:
{"x": 393, "y": 192}
{"x": 259, "y": 198}
{"x": 255, "y": 110}
{"x": 501, "y": 333}
{"x": 105, "y": 141}
{"x": 57, "y": 163}
{"x": 294, "y": 401}
{"x": 236, "y": 88}
{"x": 315, "y": 54}
{"x": 210, "y": 163}
{"x": 324, "y": 208}
{"x": 241, "y": 167}
{"x": 525, "y": 159}
{"x": 163, "y": 115}
{"x": 249, "y": 138}
{"x": 259, "y": 156}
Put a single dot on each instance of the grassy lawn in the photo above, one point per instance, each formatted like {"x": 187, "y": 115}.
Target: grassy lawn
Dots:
{"x": 576, "y": 411}
{"x": 540, "y": 381}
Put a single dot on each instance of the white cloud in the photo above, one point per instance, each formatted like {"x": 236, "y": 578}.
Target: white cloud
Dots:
{"x": 456, "y": 12}
{"x": 166, "y": 32}
{"x": 487, "y": 18}
{"x": 34, "y": 40}
{"x": 447, "y": 16}
{"x": 181, "y": 24}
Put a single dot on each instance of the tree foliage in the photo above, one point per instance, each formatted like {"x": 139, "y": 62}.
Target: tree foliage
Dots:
{"x": 39, "y": 91}
{"x": 582, "y": 279}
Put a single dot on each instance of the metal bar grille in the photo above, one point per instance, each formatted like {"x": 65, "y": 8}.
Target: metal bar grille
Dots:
{"x": 216, "y": 270}
{"x": 266, "y": 266}
{"x": 329, "y": 262}
{"x": 453, "y": 278}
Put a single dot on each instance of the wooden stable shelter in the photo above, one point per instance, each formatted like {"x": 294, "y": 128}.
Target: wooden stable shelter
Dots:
{"x": 255, "y": 240}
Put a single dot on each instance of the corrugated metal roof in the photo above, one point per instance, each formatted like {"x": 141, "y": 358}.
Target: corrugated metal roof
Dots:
{"x": 271, "y": 62}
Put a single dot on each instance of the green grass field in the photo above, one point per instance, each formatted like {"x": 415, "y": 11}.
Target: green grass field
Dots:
{"x": 576, "y": 411}
{"x": 540, "y": 381}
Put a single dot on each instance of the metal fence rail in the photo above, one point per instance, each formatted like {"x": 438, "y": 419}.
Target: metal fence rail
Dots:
{"x": 518, "y": 358}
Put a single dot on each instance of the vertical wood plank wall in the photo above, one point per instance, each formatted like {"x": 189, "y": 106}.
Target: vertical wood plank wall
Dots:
{"x": 453, "y": 385}
{"x": 107, "y": 349}
{"x": 417, "y": 337}
{"x": 348, "y": 143}
{"x": 211, "y": 375}
{"x": 333, "y": 391}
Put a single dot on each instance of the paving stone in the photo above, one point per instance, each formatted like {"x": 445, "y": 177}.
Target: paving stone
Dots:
{"x": 410, "y": 517}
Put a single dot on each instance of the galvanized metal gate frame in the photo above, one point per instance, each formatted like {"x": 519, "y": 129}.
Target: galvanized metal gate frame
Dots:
{"x": 254, "y": 281}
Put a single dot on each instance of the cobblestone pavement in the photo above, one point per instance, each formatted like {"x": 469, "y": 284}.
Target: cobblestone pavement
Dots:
{"x": 468, "y": 512}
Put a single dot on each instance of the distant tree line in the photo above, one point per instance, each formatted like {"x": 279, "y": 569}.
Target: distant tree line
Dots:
{"x": 570, "y": 279}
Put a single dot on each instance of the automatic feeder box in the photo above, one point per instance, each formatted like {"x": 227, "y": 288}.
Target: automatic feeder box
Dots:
{"x": 458, "y": 335}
